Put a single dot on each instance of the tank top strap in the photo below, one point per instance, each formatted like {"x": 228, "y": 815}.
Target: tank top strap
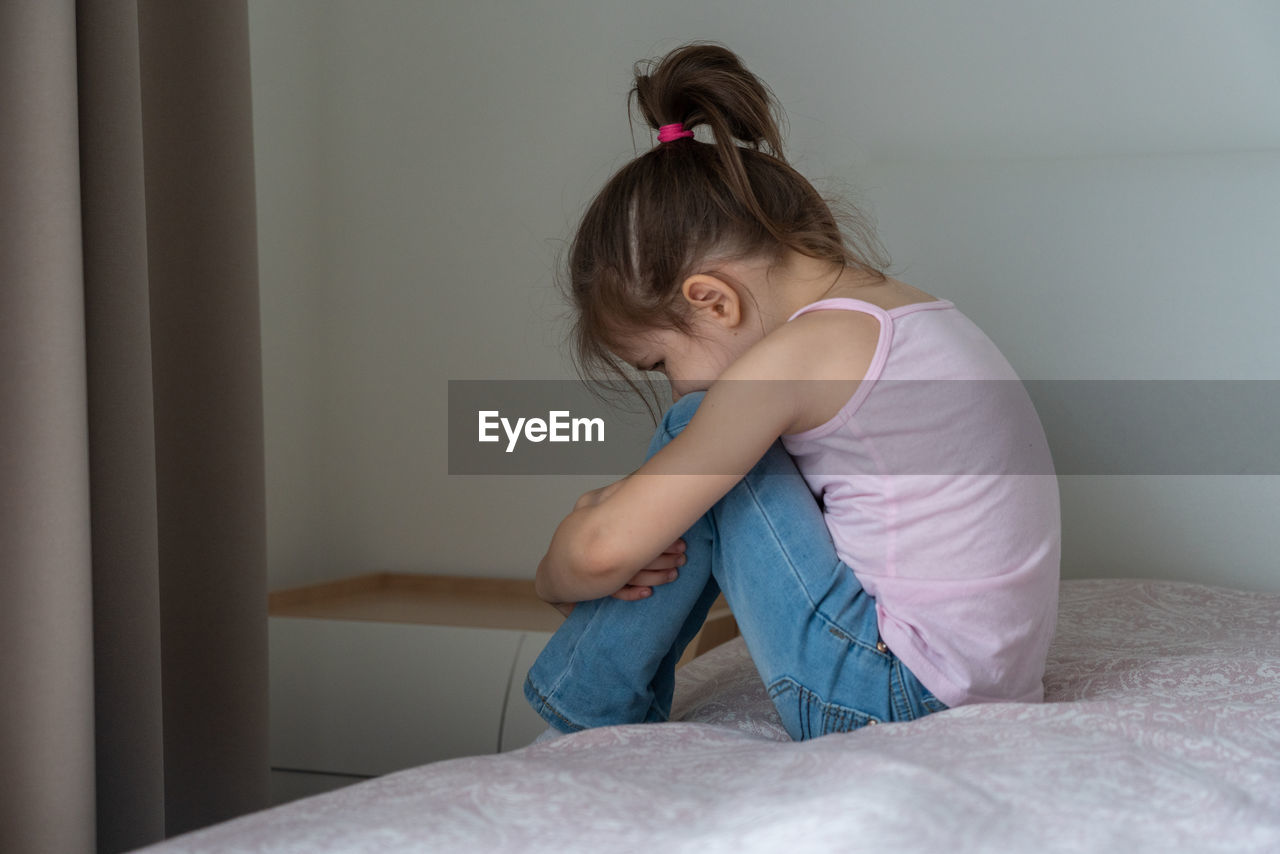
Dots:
{"x": 883, "y": 342}
{"x": 847, "y": 303}
{"x": 884, "y": 315}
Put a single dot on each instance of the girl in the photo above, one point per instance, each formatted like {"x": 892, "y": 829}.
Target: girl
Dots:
{"x": 887, "y": 538}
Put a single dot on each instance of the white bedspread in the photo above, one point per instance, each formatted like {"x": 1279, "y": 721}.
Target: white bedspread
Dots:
{"x": 1160, "y": 732}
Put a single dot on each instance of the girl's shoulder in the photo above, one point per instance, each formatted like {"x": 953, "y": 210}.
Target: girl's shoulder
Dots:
{"x": 826, "y": 344}
{"x": 820, "y": 358}
{"x": 845, "y": 328}
{"x": 844, "y": 334}
{"x": 832, "y": 349}
{"x": 830, "y": 342}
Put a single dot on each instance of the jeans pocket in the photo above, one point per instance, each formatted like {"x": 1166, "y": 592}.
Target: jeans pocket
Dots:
{"x": 806, "y": 715}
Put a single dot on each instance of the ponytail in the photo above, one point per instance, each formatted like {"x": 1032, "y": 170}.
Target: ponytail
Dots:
{"x": 708, "y": 84}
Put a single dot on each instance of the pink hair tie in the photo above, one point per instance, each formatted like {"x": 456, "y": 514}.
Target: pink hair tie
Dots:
{"x": 672, "y": 132}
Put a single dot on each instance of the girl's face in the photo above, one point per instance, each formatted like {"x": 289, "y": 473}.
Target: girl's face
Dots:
{"x": 724, "y": 326}
{"x": 690, "y": 362}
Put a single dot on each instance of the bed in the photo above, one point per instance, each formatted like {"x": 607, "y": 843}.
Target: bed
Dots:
{"x": 1160, "y": 732}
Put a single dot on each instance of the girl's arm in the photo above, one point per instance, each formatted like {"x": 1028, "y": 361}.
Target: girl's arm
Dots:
{"x": 602, "y": 544}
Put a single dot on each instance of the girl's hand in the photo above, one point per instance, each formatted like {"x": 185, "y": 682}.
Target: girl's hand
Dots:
{"x": 663, "y": 570}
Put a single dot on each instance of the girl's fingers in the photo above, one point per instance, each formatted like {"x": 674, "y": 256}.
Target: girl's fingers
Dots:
{"x": 663, "y": 570}
{"x": 653, "y": 577}
{"x": 676, "y": 548}
{"x": 666, "y": 560}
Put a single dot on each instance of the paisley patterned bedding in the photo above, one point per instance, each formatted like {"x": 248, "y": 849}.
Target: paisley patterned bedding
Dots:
{"x": 1160, "y": 732}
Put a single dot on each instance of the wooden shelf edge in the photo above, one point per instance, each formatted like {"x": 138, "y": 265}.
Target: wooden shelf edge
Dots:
{"x": 452, "y": 600}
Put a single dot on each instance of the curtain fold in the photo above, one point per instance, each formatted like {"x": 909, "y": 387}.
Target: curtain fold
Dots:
{"x": 46, "y": 623}
{"x": 206, "y": 366}
{"x": 132, "y": 511}
{"x": 130, "y": 749}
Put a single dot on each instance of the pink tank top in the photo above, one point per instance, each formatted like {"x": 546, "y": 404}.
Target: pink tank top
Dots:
{"x": 938, "y": 488}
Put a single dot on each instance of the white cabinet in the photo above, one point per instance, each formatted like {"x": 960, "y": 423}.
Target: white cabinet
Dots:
{"x": 387, "y": 672}
{"x": 383, "y": 672}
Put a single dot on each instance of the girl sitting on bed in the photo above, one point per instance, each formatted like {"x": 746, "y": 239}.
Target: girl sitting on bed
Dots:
{"x": 886, "y": 537}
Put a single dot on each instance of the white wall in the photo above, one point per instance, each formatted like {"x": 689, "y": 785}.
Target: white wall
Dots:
{"x": 1096, "y": 184}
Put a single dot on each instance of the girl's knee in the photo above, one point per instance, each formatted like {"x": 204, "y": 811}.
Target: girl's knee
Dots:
{"x": 675, "y": 419}
{"x": 680, "y": 413}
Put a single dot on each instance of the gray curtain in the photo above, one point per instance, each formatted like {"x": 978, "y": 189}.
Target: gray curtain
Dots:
{"x": 133, "y": 678}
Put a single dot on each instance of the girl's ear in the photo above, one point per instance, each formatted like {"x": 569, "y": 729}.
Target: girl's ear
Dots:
{"x": 714, "y": 298}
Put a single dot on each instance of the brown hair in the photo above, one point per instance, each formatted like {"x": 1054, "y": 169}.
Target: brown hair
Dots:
{"x": 686, "y": 202}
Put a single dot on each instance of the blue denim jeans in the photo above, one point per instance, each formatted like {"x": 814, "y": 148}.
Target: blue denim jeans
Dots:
{"x": 809, "y": 626}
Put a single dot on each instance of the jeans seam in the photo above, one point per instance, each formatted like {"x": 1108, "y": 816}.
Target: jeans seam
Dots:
{"x": 755, "y": 496}
{"x": 806, "y": 711}
{"x": 901, "y": 705}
